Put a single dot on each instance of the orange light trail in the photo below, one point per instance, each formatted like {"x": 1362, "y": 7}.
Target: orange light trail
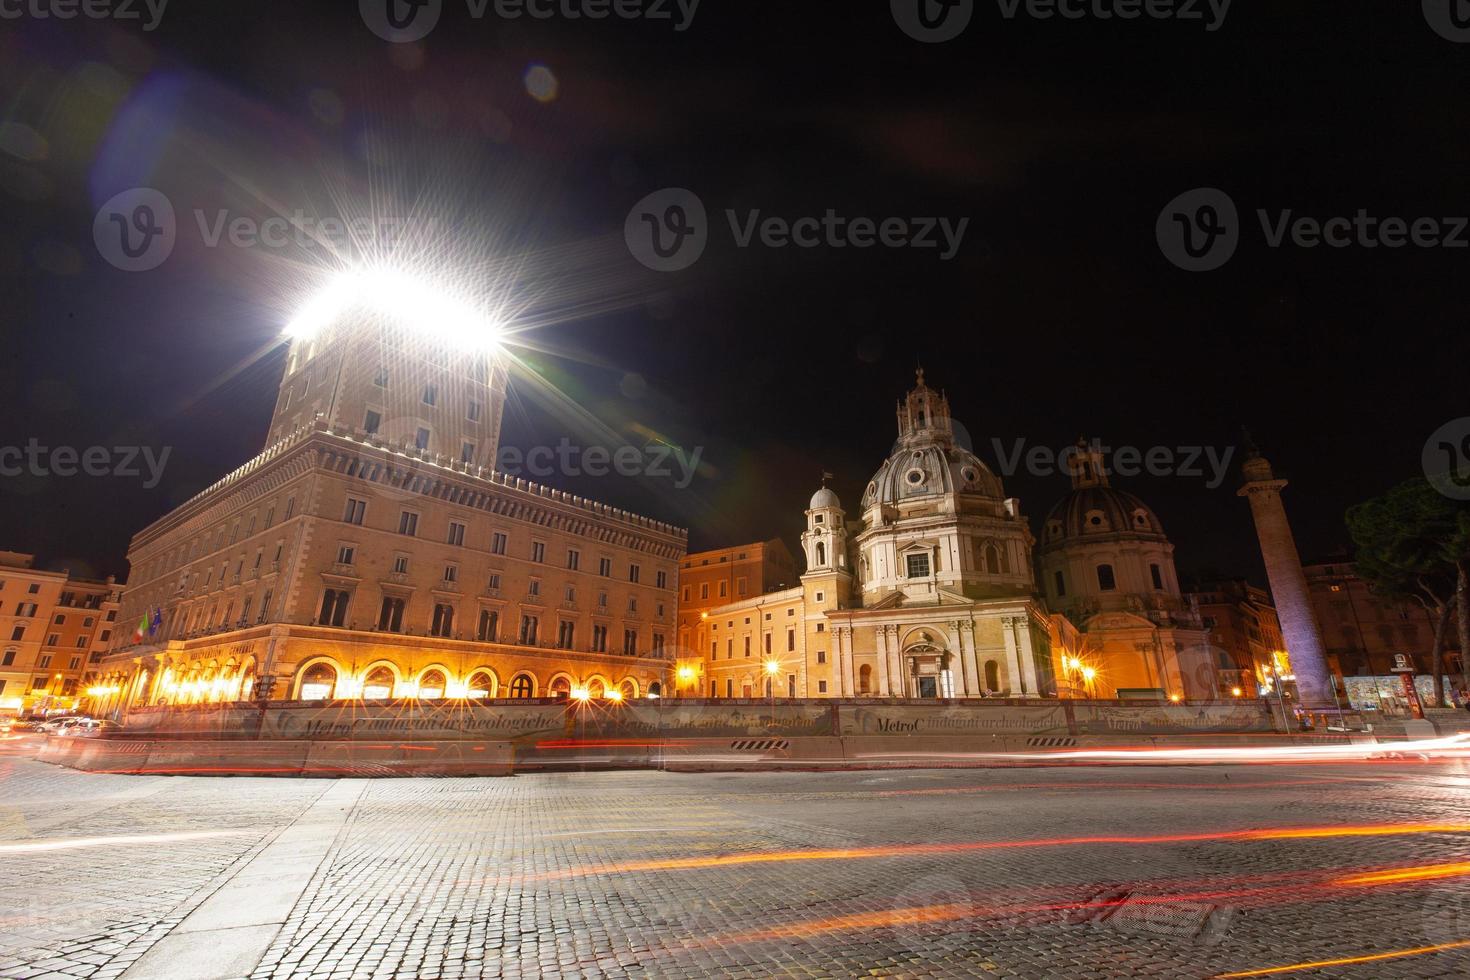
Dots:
{"x": 1348, "y": 960}
{"x": 906, "y": 850}
{"x": 1426, "y": 872}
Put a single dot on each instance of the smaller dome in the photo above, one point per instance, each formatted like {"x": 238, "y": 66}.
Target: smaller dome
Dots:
{"x": 824, "y": 498}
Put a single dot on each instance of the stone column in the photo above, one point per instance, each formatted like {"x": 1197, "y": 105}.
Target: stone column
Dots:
{"x": 1288, "y": 582}
{"x": 967, "y": 664}
{"x": 844, "y": 661}
{"x": 896, "y": 671}
{"x": 881, "y": 637}
{"x": 1019, "y": 687}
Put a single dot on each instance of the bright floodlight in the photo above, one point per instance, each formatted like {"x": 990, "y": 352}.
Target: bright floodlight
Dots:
{"x": 428, "y": 308}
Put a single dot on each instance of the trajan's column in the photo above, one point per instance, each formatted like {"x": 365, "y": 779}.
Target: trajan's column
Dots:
{"x": 1288, "y": 581}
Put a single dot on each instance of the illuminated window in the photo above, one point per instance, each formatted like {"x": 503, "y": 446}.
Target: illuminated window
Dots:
{"x": 917, "y": 565}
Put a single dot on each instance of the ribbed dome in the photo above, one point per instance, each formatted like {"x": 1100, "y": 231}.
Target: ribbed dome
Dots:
{"x": 824, "y": 498}
{"x": 930, "y": 470}
{"x": 1100, "y": 509}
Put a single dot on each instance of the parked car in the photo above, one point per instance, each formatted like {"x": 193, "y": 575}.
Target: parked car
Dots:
{"x": 91, "y": 728}
{"x": 58, "y": 725}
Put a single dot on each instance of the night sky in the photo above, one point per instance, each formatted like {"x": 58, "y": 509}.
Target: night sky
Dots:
{"x": 1059, "y": 140}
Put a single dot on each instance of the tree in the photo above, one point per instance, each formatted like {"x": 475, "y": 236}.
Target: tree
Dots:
{"x": 1406, "y": 541}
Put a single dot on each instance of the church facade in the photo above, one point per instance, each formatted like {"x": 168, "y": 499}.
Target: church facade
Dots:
{"x": 938, "y": 589}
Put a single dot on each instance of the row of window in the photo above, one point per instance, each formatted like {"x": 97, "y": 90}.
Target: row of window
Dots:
{"x": 355, "y": 513}
{"x": 1107, "y": 579}
{"x": 7, "y": 659}
{"x": 714, "y": 646}
{"x": 335, "y": 602}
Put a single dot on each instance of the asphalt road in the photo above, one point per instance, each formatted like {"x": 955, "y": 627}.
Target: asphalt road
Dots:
{"x": 1078, "y": 872}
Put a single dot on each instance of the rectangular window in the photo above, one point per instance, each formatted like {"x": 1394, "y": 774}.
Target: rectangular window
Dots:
{"x": 821, "y": 656}
{"x": 381, "y": 378}
{"x": 371, "y": 422}
{"x": 431, "y": 394}
{"x": 604, "y": 567}
{"x": 704, "y": 590}
{"x": 421, "y": 439}
{"x": 495, "y": 583}
{"x": 599, "y": 639}
{"x": 534, "y": 588}
{"x": 355, "y": 512}
{"x": 400, "y": 564}
{"x": 538, "y": 551}
{"x": 740, "y": 585}
{"x": 634, "y": 572}
{"x": 489, "y": 626}
{"x": 729, "y": 687}
{"x": 8, "y": 659}
{"x": 529, "y": 625}
{"x": 451, "y": 574}
{"x": 472, "y": 411}
{"x": 53, "y": 639}
{"x": 408, "y": 523}
{"x": 1158, "y": 576}
{"x": 632, "y": 604}
{"x": 345, "y": 554}
{"x": 686, "y": 594}
{"x": 630, "y": 643}
{"x": 918, "y": 565}
{"x": 456, "y": 533}
{"x": 497, "y": 543}
{"x": 768, "y": 644}
{"x": 747, "y": 646}
{"x": 574, "y": 559}
{"x": 790, "y": 640}
{"x": 661, "y": 579}
{"x": 290, "y": 507}
{"x": 565, "y": 630}
{"x": 467, "y": 452}
{"x": 1061, "y": 584}
{"x": 722, "y": 590}
{"x": 821, "y": 687}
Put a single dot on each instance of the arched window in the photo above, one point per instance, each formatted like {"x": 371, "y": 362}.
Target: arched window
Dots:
{"x": 865, "y": 679}
{"x": 334, "y": 608}
{"x": 431, "y": 685}
{"x": 489, "y": 626}
{"x": 378, "y": 685}
{"x": 596, "y": 689}
{"x": 390, "y": 617}
{"x": 318, "y": 681}
{"x": 521, "y": 687}
{"x": 992, "y": 559}
{"x": 443, "y": 620}
{"x": 821, "y": 553}
{"x": 992, "y": 676}
{"x": 655, "y": 690}
{"x": 561, "y": 687}
{"x": 629, "y": 689}
{"x": 1105, "y": 578}
{"x": 480, "y": 685}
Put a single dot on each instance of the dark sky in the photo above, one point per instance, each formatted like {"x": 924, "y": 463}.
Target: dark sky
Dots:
{"x": 1059, "y": 140}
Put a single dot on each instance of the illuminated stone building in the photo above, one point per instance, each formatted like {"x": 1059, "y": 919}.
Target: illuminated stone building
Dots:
{"x": 1107, "y": 566}
{"x": 54, "y": 629}
{"x": 1244, "y": 636}
{"x": 929, "y": 593}
{"x": 370, "y": 551}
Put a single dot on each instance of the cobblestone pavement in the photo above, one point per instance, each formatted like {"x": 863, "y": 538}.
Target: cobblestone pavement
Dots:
{"x": 1182, "y": 873}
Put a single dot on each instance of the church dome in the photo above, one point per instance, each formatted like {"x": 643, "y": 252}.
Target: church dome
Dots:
{"x": 1100, "y": 509}
{"x": 824, "y": 498}
{"x": 927, "y": 471}
{"x": 1093, "y": 507}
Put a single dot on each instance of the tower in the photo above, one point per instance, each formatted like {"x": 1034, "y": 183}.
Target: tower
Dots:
{"x": 1288, "y": 581}
{"x": 824, "y": 542}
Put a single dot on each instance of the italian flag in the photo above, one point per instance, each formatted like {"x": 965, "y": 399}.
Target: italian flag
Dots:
{"x": 141, "y": 630}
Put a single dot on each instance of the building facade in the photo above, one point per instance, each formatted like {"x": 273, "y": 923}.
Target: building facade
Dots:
{"x": 1365, "y": 632}
{"x": 54, "y": 630}
{"x": 369, "y": 551}
{"x": 1245, "y": 636}
{"x": 1106, "y": 565}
